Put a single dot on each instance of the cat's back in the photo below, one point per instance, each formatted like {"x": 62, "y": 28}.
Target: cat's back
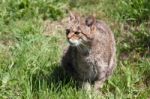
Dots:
{"x": 105, "y": 34}
{"x": 103, "y": 45}
{"x": 102, "y": 26}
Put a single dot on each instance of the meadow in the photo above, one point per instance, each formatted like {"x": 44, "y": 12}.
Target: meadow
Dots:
{"x": 32, "y": 38}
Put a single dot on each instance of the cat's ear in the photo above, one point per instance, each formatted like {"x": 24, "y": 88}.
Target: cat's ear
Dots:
{"x": 89, "y": 21}
{"x": 93, "y": 28}
{"x": 72, "y": 16}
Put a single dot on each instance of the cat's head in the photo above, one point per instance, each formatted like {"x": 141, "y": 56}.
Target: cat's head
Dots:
{"x": 79, "y": 30}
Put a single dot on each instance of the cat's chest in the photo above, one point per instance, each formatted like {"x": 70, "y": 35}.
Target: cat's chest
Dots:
{"x": 85, "y": 63}
{"x": 86, "y": 68}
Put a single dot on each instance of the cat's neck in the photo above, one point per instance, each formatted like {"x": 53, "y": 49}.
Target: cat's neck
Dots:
{"x": 83, "y": 50}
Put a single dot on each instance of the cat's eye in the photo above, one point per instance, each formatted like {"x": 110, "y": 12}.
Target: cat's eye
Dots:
{"x": 76, "y": 32}
{"x": 67, "y": 31}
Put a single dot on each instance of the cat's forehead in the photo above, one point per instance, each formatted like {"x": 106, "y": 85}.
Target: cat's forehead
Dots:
{"x": 73, "y": 25}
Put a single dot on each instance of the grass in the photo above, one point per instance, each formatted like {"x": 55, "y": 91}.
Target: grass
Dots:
{"x": 30, "y": 60}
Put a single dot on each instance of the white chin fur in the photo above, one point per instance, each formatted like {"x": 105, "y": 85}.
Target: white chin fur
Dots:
{"x": 74, "y": 42}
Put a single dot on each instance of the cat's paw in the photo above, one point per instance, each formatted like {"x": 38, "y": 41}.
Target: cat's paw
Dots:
{"x": 86, "y": 86}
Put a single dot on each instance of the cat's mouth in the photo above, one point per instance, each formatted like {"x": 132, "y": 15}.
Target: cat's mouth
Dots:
{"x": 74, "y": 42}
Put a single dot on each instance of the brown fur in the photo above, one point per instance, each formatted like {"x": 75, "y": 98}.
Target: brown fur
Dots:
{"x": 91, "y": 56}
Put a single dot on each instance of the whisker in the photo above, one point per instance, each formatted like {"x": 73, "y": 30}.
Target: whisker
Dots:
{"x": 79, "y": 48}
{"x": 85, "y": 46}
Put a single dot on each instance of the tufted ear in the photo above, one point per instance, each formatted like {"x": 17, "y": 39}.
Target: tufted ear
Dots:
{"x": 89, "y": 21}
{"x": 72, "y": 16}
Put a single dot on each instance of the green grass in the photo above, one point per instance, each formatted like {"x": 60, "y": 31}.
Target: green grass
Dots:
{"x": 30, "y": 60}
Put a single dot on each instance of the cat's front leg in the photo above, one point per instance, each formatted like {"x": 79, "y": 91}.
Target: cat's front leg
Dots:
{"x": 99, "y": 84}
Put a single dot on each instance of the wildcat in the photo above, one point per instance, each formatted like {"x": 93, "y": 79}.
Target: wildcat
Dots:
{"x": 90, "y": 57}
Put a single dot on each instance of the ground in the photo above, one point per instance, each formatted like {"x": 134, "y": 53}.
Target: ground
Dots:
{"x": 32, "y": 39}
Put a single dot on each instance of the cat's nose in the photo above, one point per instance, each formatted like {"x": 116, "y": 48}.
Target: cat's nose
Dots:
{"x": 70, "y": 35}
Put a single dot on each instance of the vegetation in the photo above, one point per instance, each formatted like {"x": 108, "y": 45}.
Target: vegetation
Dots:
{"x": 30, "y": 60}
